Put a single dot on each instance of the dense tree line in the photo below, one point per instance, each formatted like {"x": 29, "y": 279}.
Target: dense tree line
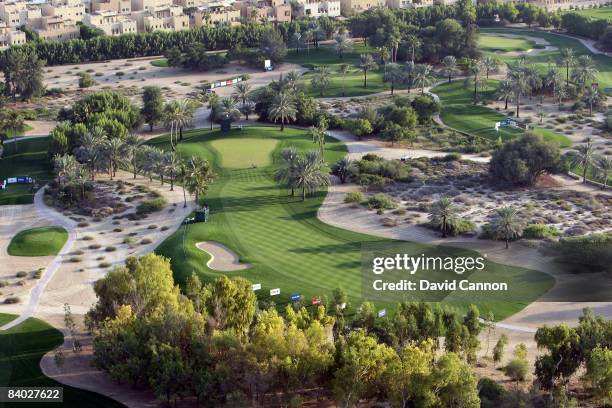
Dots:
{"x": 584, "y": 26}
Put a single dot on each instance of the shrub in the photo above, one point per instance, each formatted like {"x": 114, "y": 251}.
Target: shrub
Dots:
{"x": 490, "y": 392}
{"x": 517, "y": 369}
{"x": 11, "y": 300}
{"x": 83, "y": 224}
{"x": 540, "y": 231}
{"x": 95, "y": 246}
{"x": 75, "y": 259}
{"x": 164, "y": 228}
{"x": 353, "y": 197}
{"x": 3, "y": 283}
{"x": 38, "y": 273}
{"x": 151, "y": 206}
{"x": 85, "y": 80}
{"x": 390, "y": 222}
{"x": 87, "y": 238}
{"x": 110, "y": 249}
{"x": 462, "y": 226}
{"x": 146, "y": 241}
{"x": 382, "y": 201}
{"x": 21, "y": 274}
{"x": 152, "y": 227}
{"x": 104, "y": 265}
{"x": 452, "y": 157}
{"x": 371, "y": 180}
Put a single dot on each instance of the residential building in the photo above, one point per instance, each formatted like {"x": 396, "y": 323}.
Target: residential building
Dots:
{"x": 56, "y": 29}
{"x": 275, "y": 11}
{"x": 215, "y": 13}
{"x": 18, "y": 13}
{"x": 66, "y": 10}
{"x": 144, "y": 5}
{"x": 10, "y": 37}
{"x": 405, "y": 4}
{"x": 313, "y": 8}
{"x": 190, "y": 3}
{"x": 163, "y": 18}
{"x": 120, "y": 6}
{"x": 351, "y": 7}
{"x": 111, "y": 22}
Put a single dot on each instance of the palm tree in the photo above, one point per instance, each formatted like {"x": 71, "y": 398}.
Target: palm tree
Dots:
{"x": 504, "y": 92}
{"x": 506, "y": 224}
{"x": 533, "y": 78}
{"x": 229, "y": 109}
{"x": 423, "y": 76}
{"x": 343, "y": 69}
{"x": 292, "y": 78}
{"x": 283, "y": 108}
{"x": 199, "y": 177}
{"x": 566, "y": 59}
{"x": 247, "y": 108}
{"x": 343, "y": 45}
{"x": 343, "y": 168}
{"x": 584, "y": 70}
{"x": 591, "y": 94}
{"x": 394, "y": 73}
{"x": 242, "y": 91}
{"x": 604, "y": 169}
{"x": 541, "y": 115}
{"x": 320, "y": 79}
{"x": 158, "y": 163}
{"x": 63, "y": 166}
{"x": 308, "y": 175}
{"x": 14, "y": 121}
{"x": 553, "y": 79}
{"x": 213, "y": 105}
{"x": 307, "y": 37}
{"x": 147, "y": 156}
{"x": 562, "y": 93}
{"x": 449, "y": 66}
{"x": 366, "y": 63}
{"x": 172, "y": 167}
{"x": 583, "y": 156}
{"x": 92, "y": 144}
{"x": 443, "y": 215}
{"x": 490, "y": 64}
{"x": 182, "y": 176}
{"x": 475, "y": 69}
{"x": 133, "y": 143}
{"x": 177, "y": 115}
{"x": 393, "y": 43}
{"x": 413, "y": 43}
{"x": 410, "y": 67}
{"x": 318, "y": 134}
{"x": 286, "y": 170}
{"x": 519, "y": 87}
{"x": 114, "y": 149}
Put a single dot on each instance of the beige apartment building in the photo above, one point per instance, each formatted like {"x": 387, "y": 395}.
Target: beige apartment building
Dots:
{"x": 275, "y": 11}
{"x": 67, "y": 10}
{"x": 351, "y": 7}
{"x": 567, "y": 4}
{"x": 10, "y": 37}
{"x": 119, "y": 6}
{"x": 110, "y": 22}
{"x": 143, "y": 5}
{"x": 215, "y": 13}
{"x": 57, "y": 29}
{"x": 18, "y": 13}
{"x": 163, "y": 18}
{"x": 405, "y": 4}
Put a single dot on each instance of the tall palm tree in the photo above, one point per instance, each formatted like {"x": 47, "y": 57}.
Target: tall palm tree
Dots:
{"x": 393, "y": 43}
{"x": 506, "y": 224}
{"x": 318, "y": 134}
{"x": 133, "y": 144}
{"x": 321, "y": 79}
{"x": 242, "y": 91}
{"x": 247, "y": 108}
{"x": 343, "y": 69}
{"x": 366, "y": 63}
{"x": 158, "y": 163}
{"x": 229, "y": 109}
{"x": 307, "y": 37}
{"x": 14, "y": 122}
{"x": 562, "y": 93}
{"x": 147, "y": 156}
{"x": 286, "y": 170}
{"x": 584, "y": 71}
{"x": 292, "y": 78}
{"x": 115, "y": 150}
{"x": 443, "y": 215}
{"x": 213, "y": 105}
{"x": 410, "y": 67}
{"x": 475, "y": 78}
{"x": 172, "y": 164}
{"x": 177, "y": 115}
{"x": 92, "y": 144}
{"x": 566, "y": 59}
{"x": 591, "y": 94}
{"x": 343, "y": 168}
{"x": 533, "y": 78}
{"x": 63, "y": 166}
{"x": 199, "y": 177}
{"x": 283, "y": 108}
{"x": 343, "y": 45}
{"x": 308, "y": 175}
{"x": 423, "y": 76}
{"x": 490, "y": 64}
{"x": 519, "y": 86}
{"x": 449, "y": 67}
{"x": 413, "y": 43}
{"x": 603, "y": 164}
{"x": 394, "y": 73}
{"x": 182, "y": 176}
{"x": 553, "y": 80}
{"x": 583, "y": 156}
{"x": 505, "y": 91}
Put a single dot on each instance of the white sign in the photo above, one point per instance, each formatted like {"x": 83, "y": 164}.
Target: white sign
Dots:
{"x": 382, "y": 312}
{"x": 274, "y": 292}
{"x": 343, "y": 306}
{"x": 256, "y": 286}
{"x": 267, "y": 64}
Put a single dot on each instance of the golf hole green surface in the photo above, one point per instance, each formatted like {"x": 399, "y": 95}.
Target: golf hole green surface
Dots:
{"x": 243, "y": 153}
{"x": 41, "y": 241}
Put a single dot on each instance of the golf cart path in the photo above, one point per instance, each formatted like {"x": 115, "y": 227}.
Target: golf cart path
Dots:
{"x": 221, "y": 257}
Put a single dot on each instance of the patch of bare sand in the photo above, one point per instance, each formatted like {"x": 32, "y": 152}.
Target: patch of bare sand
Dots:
{"x": 221, "y": 257}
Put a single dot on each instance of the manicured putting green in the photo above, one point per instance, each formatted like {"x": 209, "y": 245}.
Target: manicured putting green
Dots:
{"x": 41, "y": 241}
{"x": 21, "y": 349}
{"x": 282, "y": 238}
{"x": 494, "y": 43}
{"x": 242, "y": 153}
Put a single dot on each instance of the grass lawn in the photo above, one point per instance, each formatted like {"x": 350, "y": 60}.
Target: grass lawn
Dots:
{"x": 19, "y": 132}
{"x": 602, "y": 63}
{"x": 26, "y": 158}
{"x": 234, "y": 152}
{"x": 40, "y": 241}
{"x": 282, "y": 237}
{"x": 5, "y": 318}
{"x": 352, "y": 83}
{"x": 602, "y": 13}
{"x": 492, "y": 43}
{"x": 460, "y": 113}
{"x": 21, "y": 349}
{"x": 162, "y": 63}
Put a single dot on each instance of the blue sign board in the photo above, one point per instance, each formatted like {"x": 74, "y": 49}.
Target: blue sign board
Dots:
{"x": 295, "y": 297}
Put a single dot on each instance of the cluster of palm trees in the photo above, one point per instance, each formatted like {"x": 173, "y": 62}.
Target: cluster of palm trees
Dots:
{"x": 98, "y": 153}
{"x": 178, "y": 114}
{"x": 506, "y": 224}
{"x": 524, "y": 80}
{"x": 301, "y": 171}
{"x": 584, "y": 156}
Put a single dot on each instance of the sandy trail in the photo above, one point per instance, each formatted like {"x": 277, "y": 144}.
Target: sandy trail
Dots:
{"x": 221, "y": 257}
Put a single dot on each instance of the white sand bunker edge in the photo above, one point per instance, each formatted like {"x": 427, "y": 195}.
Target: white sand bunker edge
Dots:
{"x": 221, "y": 257}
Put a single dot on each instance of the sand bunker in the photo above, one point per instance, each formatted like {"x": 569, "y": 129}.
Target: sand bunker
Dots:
{"x": 221, "y": 257}
{"x": 537, "y": 40}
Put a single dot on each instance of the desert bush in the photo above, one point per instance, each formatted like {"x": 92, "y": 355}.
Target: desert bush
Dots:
{"x": 517, "y": 369}
{"x": 95, "y": 246}
{"x": 38, "y": 273}
{"x": 151, "y": 206}
{"x": 390, "y": 222}
{"x": 382, "y": 201}
{"x": 3, "y": 283}
{"x": 353, "y": 197}
{"x": 540, "y": 231}
{"x": 21, "y": 274}
{"x": 145, "y": 241}
{"x": 75, "y": 259}
{"x": 11, "y": 300}
{"x": 110, "y": 249}
{"x": 87, "y": 238}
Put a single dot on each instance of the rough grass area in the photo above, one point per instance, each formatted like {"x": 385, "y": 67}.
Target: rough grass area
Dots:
{"x": 459, "y": 112}
{"x": 21, "y": 349}
{"x": 6, "y": 318}
{"x": 162, "y": 63}
{"x": 18, "y": 132}
{"x": 492, "y": 43}
{"x": 282, "y": 237}
{"x": 26, "y": 158}
{"x": 41, "y": 241}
